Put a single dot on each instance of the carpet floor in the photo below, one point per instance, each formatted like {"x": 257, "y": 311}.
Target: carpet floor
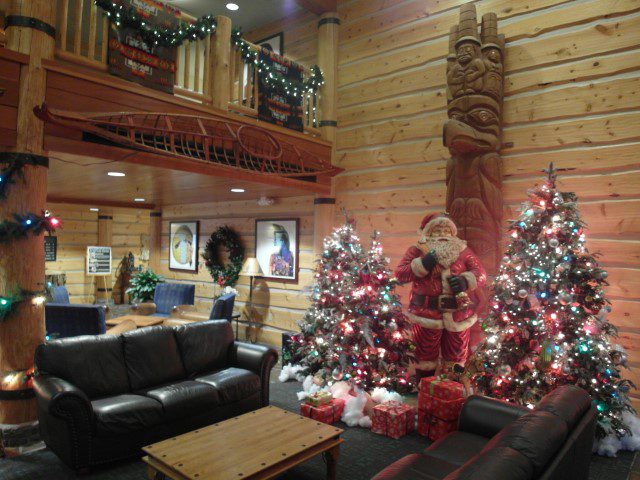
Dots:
{"x": 362, "y": 455}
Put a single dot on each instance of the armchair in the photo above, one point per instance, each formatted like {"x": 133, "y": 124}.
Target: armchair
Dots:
{"x": 167, "y": 298}
{"x": 64, "y": 319}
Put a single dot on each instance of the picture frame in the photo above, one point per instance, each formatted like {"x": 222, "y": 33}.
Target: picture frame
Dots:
{"x": 274, "y": 43}
{"x": 277, "y": 248}
{"x": 184, "y": 246}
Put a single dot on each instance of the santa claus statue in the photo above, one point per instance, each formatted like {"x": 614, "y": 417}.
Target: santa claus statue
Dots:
{"x": 444, "y": 271}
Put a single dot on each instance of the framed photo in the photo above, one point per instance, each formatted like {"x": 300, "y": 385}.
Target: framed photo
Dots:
{"x": 275, "y": 43}
{"x": 183, "y": 246}
{"x": 277, "y": 248}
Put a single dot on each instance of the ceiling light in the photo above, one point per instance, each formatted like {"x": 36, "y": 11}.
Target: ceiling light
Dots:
{"x": 116, "y": 174}
{"x": 138, "y": 200}
{"x": 237, "y": 190}
{"x": 94, "y": 209}
{"x": 232, "y": 6}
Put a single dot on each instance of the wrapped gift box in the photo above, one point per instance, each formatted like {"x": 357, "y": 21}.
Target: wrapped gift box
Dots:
{"x": 393, "y": 420}
{"x": 441, "y": 388}
{"x": 327, "y": 413}
{"x": 319, "y": 398}
{"x": 434, "y": 427}
{"x": 441, "y": 398}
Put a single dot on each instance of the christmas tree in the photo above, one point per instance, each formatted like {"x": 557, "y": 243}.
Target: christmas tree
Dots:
{"x": 548, "y": 325}
{"x": 354, "y": 329}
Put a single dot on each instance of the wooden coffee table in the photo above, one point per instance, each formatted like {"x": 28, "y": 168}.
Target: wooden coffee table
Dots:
{"x": 257, "y": 445}
{"x": 139, "y": 320}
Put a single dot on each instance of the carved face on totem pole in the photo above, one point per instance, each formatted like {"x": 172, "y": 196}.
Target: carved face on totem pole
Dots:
{"x": 472, "y": 133}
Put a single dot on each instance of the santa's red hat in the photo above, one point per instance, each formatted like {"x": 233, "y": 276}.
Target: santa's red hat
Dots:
{"x": 432, "y": 220}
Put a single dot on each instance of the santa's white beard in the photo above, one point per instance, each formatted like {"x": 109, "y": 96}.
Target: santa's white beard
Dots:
{"x": 447, "y": 249}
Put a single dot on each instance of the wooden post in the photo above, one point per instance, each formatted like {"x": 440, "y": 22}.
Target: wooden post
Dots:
{"x": 220, "y": 72}
{"x": 104, "y": 288}
{"x": 323, "y": 221}
{"x": 22, "y": 261}
{"x": 155, "y": 241}
{"x": 328, "y": 27}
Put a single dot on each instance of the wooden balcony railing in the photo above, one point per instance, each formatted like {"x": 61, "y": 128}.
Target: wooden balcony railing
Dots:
{"x": 82, "y": 38}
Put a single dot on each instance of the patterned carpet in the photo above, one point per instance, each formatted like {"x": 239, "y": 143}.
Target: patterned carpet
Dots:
{"x": 363, "y": 454}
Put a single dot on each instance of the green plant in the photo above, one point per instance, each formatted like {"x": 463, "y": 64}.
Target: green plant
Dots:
{"x": 143, "y": 285}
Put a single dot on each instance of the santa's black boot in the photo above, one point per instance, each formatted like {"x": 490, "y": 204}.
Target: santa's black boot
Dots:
{"x": 422, "y": 374}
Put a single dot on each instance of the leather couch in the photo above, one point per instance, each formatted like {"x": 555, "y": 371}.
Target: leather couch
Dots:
{"x": 500, "y": 441}
{"x": 102, "y": 398}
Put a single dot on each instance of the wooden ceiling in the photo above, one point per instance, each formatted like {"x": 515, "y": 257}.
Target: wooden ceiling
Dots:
{"x": 81, "y": 179}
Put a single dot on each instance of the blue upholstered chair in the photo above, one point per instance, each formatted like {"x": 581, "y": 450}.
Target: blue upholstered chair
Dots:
{"x": 64, "y": 319}
{"x": 223, "y": 307}
{"x": 169, "y": 295}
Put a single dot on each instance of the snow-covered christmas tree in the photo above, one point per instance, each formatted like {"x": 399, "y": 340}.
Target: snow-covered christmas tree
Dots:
{"x": 548, "y": 323}
{"x": 354, "y": 329}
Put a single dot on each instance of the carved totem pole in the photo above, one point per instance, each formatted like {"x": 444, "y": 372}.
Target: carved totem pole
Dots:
{"x": 472, "y": 133}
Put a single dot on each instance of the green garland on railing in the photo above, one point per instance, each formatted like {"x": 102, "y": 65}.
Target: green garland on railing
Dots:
{"x": 22, "y": 225}
{"x": 273, "y": 79}
{"x": 166, "y": 37}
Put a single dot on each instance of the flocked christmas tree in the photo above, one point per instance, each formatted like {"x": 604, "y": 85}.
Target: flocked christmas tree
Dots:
{"x": 548, "y": 324}
{"x": 354, "y": 328}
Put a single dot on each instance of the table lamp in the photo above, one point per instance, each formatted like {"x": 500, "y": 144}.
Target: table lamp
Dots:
{"x": 251, "y": 268}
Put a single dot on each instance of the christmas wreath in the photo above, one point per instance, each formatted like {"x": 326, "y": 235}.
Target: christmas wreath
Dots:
{"x": 224, "y": 275}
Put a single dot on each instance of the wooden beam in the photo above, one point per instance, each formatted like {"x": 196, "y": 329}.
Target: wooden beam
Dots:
{"x": 99, "y": 202}
{"x": 318, "y": 6}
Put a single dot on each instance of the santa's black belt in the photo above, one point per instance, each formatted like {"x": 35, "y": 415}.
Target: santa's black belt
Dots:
{"x": 440, "y": 302}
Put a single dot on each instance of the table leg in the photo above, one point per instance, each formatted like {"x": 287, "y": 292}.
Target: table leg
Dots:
{"x": 153, "y": 474}
{"x": 331, "y": 456}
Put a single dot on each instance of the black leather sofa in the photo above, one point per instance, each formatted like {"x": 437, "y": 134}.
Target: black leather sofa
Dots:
{"x": 101, "y": 398}
{"x": 499, "y": 441}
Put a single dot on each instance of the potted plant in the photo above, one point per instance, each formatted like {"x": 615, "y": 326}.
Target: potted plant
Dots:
{"x": 141, "y": 289}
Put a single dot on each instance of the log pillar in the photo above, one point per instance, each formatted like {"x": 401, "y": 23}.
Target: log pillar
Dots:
{"x": 29, "y": 31}
{"x": 155, "y": 241}
{"x": 323, "y": 221}
{"x": 328, "y": 27}
{"x": 220, "y": 76}
{"x": 104, "y": 287}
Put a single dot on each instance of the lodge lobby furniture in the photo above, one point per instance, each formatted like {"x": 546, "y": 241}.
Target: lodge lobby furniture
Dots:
{"x": 496, "y": 440}
{"x": 64, "y": 319}
{"x": 139, "y": 320}
{"x": 259, "y": 445}
{"x": 102, "y": 398}
{"x": 166, "y": 298}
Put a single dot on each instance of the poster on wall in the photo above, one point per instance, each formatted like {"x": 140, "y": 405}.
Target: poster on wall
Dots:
{"x": 275, "y": 106}
{"x": 50, "y": 248}
{"x": 277, "y": 248}
{"x": 274, "y": 43}
{"x": 98, "y": 261}
{"x": 183, "y": 246}
{"x": 131, "y": 58}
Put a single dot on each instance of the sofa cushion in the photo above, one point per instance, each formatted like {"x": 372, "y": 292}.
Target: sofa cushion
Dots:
{"x": 204, "y": 346}
{"x": 568, "y": 402}
{"x": 94, "y": 364}
{"x": 183, "y": 399}
{"x": 496, "y": 464}
{"x": 152, "y": 357}
{"x": 536, "y": 435}
{"x": 125, "y": 413}
{"x": 457, "y": 447}
{"x": 416, "y": 467}
{"x": 233, "y": 384}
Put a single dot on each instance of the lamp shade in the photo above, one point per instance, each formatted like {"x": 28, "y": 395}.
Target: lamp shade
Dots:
{"x": 251, "y": 268}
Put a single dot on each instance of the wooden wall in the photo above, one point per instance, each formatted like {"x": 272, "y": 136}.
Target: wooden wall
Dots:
{"x": 80, "y": 230}
{"x": 279, "y": 305}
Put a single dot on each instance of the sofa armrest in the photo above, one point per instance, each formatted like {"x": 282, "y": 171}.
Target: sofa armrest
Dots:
{"x": 59, "y": 397}
{"x": 486, "y": 416}
{"x": 259, "y": 359}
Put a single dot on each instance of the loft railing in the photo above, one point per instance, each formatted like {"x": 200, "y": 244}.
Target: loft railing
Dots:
{"x": 82, "y": 38}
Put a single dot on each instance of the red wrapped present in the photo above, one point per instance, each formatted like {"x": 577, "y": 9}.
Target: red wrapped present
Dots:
{"x": 327, "y": 413}
{"x": 447, "y": 410}
{"x": 434, "y": 427}
{"x": 319, "y": 398}
{"x": 441, "y": 388}
{"x": 393, "y": 419}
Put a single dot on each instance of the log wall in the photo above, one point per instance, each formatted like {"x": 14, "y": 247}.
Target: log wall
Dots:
{"x": 279, "y": 305}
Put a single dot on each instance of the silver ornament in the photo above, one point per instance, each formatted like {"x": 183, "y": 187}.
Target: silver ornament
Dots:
{"x": 337, "y": 374}
{"x": 504, "y": 370}
{"x": 554, "y": 242}
{"x": 522, "y": 293}
{"x": 565, "y": 298}
{"x": 506, "y": 259}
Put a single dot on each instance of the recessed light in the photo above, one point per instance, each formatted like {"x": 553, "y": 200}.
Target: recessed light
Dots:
{"x": 237, "y": 190}
{"x": 232, "y": 6}
{"x": 138, "y": 199}
{"x": 94, "y": 209}
{"x": 116, "y": 174}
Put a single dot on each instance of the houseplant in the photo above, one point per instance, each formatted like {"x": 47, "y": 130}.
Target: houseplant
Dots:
{"x": 143, "y": 286}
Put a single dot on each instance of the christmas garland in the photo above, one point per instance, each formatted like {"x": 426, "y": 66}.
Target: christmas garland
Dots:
{"x": 22, "y": 225}
{"x": 7, "y": 175}
{"x": 273, "y": 79}
{"x": 166, "y": 37}
{"x": 8, "y": 303}
{"x": 224, "y": 275}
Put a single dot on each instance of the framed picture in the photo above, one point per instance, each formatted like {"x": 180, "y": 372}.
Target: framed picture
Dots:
{"x": 275, "y": 43}
{"x": 183, "y": 246}
{"x": 277, "y": 248}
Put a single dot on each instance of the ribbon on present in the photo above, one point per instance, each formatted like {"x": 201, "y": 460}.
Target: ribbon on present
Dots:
{"x": 319, "y": 398}
{"x": 433, "y": 383}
